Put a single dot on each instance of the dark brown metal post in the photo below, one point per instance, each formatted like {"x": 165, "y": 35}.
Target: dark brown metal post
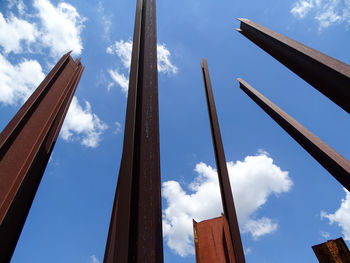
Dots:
{"x": 332, "y": 161}
{"x": 332, "y": 251}
{"x": 26, "y": 145}
{"x": 328, "y": 75}
{"x": 224, "y": 181}
{"x": 135, "y": 232}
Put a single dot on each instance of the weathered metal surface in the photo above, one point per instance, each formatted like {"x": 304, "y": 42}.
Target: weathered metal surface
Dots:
{"x": 212, "y": 241}
{"x": 224, "y": 181}
{"x": 135, "y": 232}
{"x": 26, "y": 145}
{"x": 332, "y": 161}
{"x": 332, "y": 251}
{"x": 328, "y": 75}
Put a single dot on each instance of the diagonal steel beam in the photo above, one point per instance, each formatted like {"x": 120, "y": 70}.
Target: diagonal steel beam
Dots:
{"x": 135, "y": 232}
{"x": 328, "y": 75}
{"x": 224, "y": 181}
{"x": 331, "y": 160}
{"x": 26, "y": 144}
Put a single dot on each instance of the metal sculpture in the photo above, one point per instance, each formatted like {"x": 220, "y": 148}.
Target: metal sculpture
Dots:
{"x": 135, "y": 231}
{"x": 328, "y": 75}
{"x": 224, "y": 181}
{"x": 331, "y": 160}
{"x": 26, "y": 144}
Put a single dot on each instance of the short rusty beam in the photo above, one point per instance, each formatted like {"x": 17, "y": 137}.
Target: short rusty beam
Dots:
{"x": 212, "y": 241}
{"x": 224, "y": 180}
{"x": 331, "y": 160}
{"x": 26, "y": 144}
{"x": 332, "y": 251}
{"x": 135, "y": 231}
{"x": 328, "y": 75}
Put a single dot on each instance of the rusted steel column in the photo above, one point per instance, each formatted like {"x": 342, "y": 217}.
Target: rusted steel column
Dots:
{"x": 332, "y": 161}
{"x": 328, "y": 75}
{"x": 224, "y": 181}
{"x": 26, "y": 145}
{"x": 212, "y": 241}
{"x": 135, "y": 232}
{"x": 332, "y": 251}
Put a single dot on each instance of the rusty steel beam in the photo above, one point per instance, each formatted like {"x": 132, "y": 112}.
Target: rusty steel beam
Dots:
{"x": 332, "y": 161}
{"x": 212, "y": 241}
{"x": 135, "y": 231}
{"x": 26, "y": 144}
{"x": 224, "y": 181}
{"x": 328, "y": 75}
{"x": 332, "y": 251}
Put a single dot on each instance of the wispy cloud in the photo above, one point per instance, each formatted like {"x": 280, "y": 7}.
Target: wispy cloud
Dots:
{"x": 253, "y": 181}
{"x": 341, "y": 216}
{"x": 123, "y": 50}
{"x": 326, "y": 12}
{"x": 105, "y": 20}
{"x": 118, "y": 127}
{"x": 93, "y": 259}
{"x": 325, "y": 235}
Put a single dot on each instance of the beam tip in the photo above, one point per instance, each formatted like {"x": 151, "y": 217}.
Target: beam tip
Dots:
{"x": 239, "y": 30}
{"x": 241, "y": 82}
{"x": 203, "y": 62}
{"x": 241, "y": 19}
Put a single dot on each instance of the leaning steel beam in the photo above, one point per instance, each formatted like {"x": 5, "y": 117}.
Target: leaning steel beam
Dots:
{"x": 332, "y": 161}
{"x": 26, "y": 144}
{"x": 328, "y": 75}
{"x": 135, "y": 231}
{"x": 224, "y": 181}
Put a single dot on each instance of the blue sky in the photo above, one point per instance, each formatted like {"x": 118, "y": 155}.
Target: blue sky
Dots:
{"x": 286, "y": 201}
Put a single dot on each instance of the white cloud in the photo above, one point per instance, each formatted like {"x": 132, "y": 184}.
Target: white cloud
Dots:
{"x": 83, "y": 125}
{"x": 253, "y": 181}
{"x": 260, "y": 227}
{"x": 326, "y": 12}
{"x": 123, "y": 50}
{"x": 164, "y": 63}
{"x": 61, "y": 27}
{"x": 15, "y": 32}
{"x": 93, "y": 259}
{"x": 17, "y": 82}
{"x": 58, "y": 28}
{"x": 341, "y": 216}
{"x": 120, "y": 79}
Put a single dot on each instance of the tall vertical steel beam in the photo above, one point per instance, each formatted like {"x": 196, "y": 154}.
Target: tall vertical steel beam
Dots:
{"x": 135, "y": 232}
{"x": 331, "y": 160}
{"x": 224, "y": 181}
{"x": 26, "y": 144}
{"x": 328, "y": 75}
